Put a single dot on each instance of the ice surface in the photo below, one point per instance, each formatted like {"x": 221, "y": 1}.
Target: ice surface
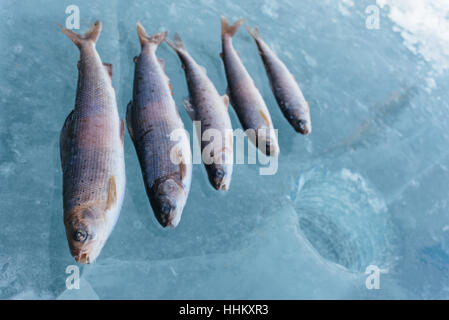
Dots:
{"x": 369, "y": 186}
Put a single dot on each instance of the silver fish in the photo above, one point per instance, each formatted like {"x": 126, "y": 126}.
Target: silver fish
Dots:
{"x": 152, "y": 119}
{"x": 285, "y": 88}
{"x": 92, "y": 155}
{"x": 211, "y": 110}
{"x": 244, "y": 96}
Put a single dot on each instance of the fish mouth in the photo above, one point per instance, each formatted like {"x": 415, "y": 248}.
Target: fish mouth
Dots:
{"x": 219, "y": 176}
{"x": 167, "y": 214}
{"x": 303, "y": 127}
{"x": 167, "y": 199}
{"x": 171, "y": 221}
{"x": 220, "y": 186}
{"x": 218, "y": 179}
{"x": 171, "y": 224}
{"x": 82, "y": 258}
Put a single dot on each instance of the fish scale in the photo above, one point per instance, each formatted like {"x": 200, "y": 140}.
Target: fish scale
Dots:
{"x": 151, "y": 117}
{"x": 206, "y": 106}
{"x": 92, "y": 154}
{"x": 244, "y": 96}
{"x": 286, "y": 90}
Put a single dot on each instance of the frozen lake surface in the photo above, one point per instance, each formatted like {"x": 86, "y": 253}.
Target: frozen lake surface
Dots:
{"x": 368, "y": 187}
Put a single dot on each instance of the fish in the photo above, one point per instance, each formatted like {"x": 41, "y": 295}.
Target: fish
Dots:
{"x": 210, "y": 109}
{"x": 244, "y": 96}
{"x": 92, "y": 154}
{"x": 152, "y": 120}
{"x": 285, "y": 88}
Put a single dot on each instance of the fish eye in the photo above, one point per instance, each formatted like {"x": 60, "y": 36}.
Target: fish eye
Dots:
{"x": 166, "y": 208}
{"x": 219, "y": 173}
{"x": 80, "y": 235}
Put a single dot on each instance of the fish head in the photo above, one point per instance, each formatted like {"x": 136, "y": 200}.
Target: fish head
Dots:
{"x": 302, "y": 126}
{"x": 85, "y": 232}
{"x": 220, "y": 176}
{"x": 300, "y": 118}
{"x": 167, "y": 199}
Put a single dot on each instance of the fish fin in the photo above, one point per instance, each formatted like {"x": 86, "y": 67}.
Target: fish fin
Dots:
{"x": 177, "y": 43}
{"x": 171, "y": 88}
{"x": 129, "y": 111}
{"x": 144, "y": 38}
{"x": 94, "y": 32}
{"x": 112, "y": 193}
{"x": 68, "y": 120}
{"x": 189, "y": 108}
{"x": 265, "y": 118}
{"x": 182, "y": 168}
{"x": 90, "y": 36}
{"x": 254, "y": 32}
{"x": 135, "y": 59}
{"x": 221, "y": 55}
{"x": 225, "y": 100}
{"x": 227, "y": 29}
{"x": 122, "y": 131}
{"x": 108, "y": 67}
{"x": 162, "y": 63}
{"x": 64, "y": 138}
{"x": 204, "y": 69}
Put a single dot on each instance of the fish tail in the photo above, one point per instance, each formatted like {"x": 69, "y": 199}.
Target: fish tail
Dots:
{"x": 91, "y": 35}
{"x": 227, "y": 29}
{"x": 176, "y": 44}
{"x": 254, "y": 32}
{"x": 145, "y": 38}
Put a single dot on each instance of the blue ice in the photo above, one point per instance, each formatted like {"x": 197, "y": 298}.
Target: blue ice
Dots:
{"x": 368, "y": 187}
